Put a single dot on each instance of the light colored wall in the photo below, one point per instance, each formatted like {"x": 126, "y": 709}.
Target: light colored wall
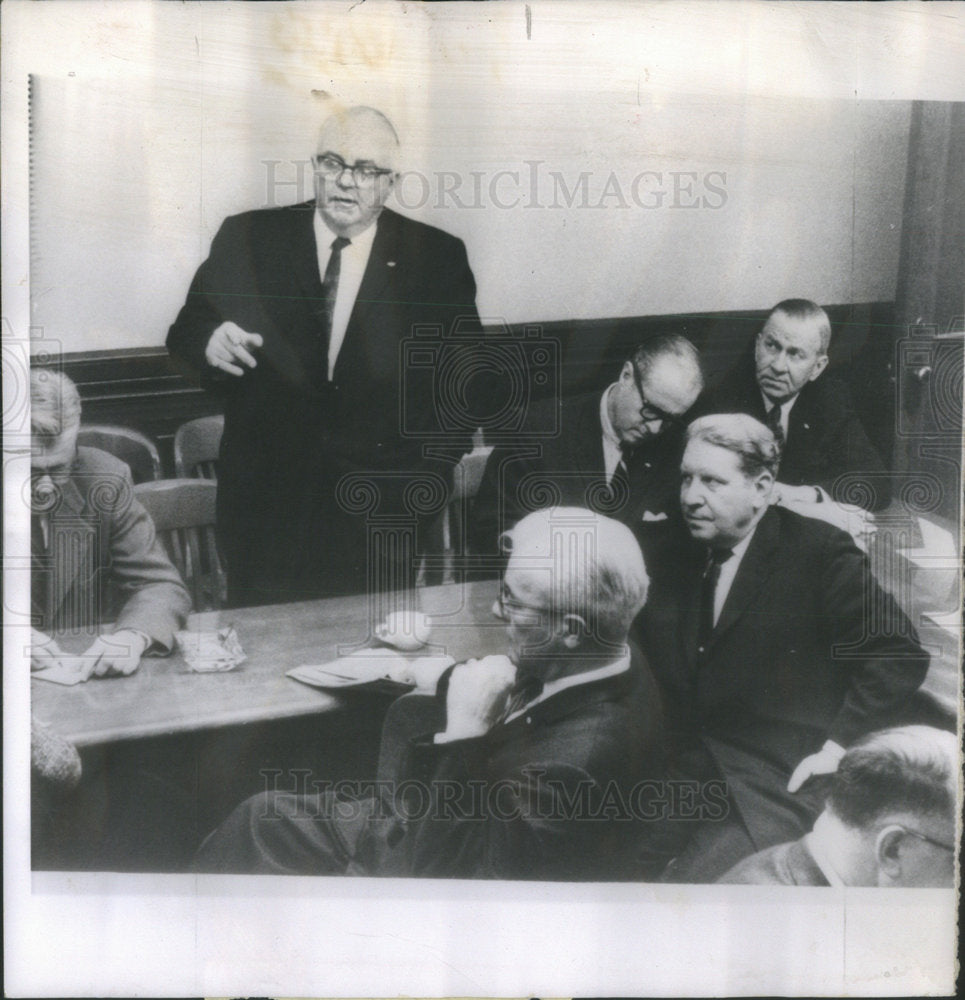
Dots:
{"x": 695, "y": 200}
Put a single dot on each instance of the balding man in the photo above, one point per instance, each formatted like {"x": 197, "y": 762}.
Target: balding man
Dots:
{"x": 889, "y": 819}
{"x": 296, "y": 320}
{"x": 95, "y": 557}
{"x": 616, "y": 452}
{"x": 773, "y": 643}
{"x": 786, "y": 387}
{"x": 532, "y": 770}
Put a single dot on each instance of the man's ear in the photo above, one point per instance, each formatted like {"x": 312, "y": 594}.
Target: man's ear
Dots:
{"x": 763, "y": 484}
{"x": 627, "y": 374}
{"x": 819, "y": 366}
{"x": 888, "y": 852}
{"x": 574, "y": 630}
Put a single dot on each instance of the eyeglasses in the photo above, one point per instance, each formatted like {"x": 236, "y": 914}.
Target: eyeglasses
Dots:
{"x": 648, "y": 411}
{"x": 507, "y": 603}
{"x": 330, "y": 165}
{"x": 928, "y": 840}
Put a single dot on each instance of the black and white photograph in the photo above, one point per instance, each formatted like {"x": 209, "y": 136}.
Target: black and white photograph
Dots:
{"x": 482, "y": 497}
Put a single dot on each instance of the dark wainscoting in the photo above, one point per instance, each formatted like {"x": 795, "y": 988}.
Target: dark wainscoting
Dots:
{"x": 143, "y": 388}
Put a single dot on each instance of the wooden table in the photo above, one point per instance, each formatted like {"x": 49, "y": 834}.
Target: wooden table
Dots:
{"x": 163, "y": 698}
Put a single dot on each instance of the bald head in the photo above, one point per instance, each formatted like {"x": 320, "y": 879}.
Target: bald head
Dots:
{"x": 362, "y": 139}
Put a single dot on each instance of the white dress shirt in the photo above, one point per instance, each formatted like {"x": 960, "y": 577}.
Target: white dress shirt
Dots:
{"x": 612, "y": 455}
{"x": 728, "y": 571}
{"x": 355, "y": 258}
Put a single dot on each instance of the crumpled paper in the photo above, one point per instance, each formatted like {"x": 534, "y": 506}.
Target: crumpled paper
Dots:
{"x": 210, "y": 651}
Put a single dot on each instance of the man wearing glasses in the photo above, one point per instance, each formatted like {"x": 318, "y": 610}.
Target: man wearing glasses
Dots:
{"x": 538, "y": 762}
{"x": 889, "y": 819}
{"x": 617, "y": 452}
{"x": 295, "y": 320}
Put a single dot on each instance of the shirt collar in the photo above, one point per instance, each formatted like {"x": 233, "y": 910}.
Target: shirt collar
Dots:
{"x": 821, "y": 859}
{"x": 360, "y": 243}
{"x": 618, "y": 666}
{"x": 785, "y": 406}
{"x": 608, "y": 432}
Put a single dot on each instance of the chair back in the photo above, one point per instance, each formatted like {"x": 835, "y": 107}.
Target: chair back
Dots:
{"x": 130, "y": 446}
{"x": 448, "y": 535}
{"x": 183, "y": 511}
{"x": 196, "y": 447}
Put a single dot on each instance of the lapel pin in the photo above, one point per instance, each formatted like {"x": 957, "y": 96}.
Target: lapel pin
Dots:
{"x": 807, "y": 427}
{"x": 390, "y": 263}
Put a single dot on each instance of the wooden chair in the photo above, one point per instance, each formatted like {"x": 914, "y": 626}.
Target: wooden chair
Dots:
{"x": 130, "y": 446}
{"x": 196, "y": 447}
{"x": 448, "y": 535}
{"x": 183, "y": 511}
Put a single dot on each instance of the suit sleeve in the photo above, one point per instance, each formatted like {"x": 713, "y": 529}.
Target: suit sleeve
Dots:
{"x": 521, "y": 824}
{"x": 851, "y": 452}
{"x": 201, "y": 313}
{"x": 874, "y": 640}
{"x": 157, "y": 602}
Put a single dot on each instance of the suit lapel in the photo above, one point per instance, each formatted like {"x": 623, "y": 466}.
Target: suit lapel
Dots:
{"x": 374, "y": 298}
{"x": 756, "y": 566}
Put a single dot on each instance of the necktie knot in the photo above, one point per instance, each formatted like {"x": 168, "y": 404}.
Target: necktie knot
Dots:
{"x": 718, "y": 557}
{"x": 339, "y": 243}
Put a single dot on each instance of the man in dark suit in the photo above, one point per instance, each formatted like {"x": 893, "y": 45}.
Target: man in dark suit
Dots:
{"x": 772, "y": 642}
{"x": 94, "y": 554}
{"x": 297, "y": 318}
{"x": 810, "y": 412}
{"x": 532, "y": 770}
{"x": 889, "y": 819}
{"x": 617, "y": 452}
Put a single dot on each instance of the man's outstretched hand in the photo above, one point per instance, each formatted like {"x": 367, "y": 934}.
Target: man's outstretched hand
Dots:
{"x": 229, "y": 349}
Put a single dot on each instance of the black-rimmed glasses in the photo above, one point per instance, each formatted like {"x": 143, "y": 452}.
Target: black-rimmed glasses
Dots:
{"x": 332, "y": 166}
{"x": 507, "y": 603}
{"x": 927, "y": 839}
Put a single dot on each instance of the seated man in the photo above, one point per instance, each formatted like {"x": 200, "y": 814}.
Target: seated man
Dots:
{"x": 810, "y": 413}
{"x": 773, "y": 643}
{"x": 617, "y": 452}
{"x": 889, "y": 819}
{"x": 91, "y": 543}
{"x": 533, "y": 756}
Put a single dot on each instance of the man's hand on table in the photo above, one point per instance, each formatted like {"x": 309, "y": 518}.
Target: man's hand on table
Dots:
{"x": 229, "y": 349}
{"x": 118, "y": 654}
{"x": 44, "y": 651}
{"x": 477, "y": 695}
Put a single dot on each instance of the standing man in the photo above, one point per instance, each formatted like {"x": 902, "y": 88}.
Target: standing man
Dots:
{"x": 95, "y": 556}
{"x": 809, "y": 412}
{"x": 296, "y": 319}
{"x": 617, "y": 452}
{"x": 773, "y": 643}
{"x": 533, "y": 761}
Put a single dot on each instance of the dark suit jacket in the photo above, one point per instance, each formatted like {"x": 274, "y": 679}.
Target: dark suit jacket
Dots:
{"x": 550, "y": 788}
{"x": 290, "y": 434}
{"x": 103, "y": 560}
{"x": 568, "y": 469}
{"x": 825, "y": 438}
{"x": 783, "y": 864}
{"x": 796, "y": 658}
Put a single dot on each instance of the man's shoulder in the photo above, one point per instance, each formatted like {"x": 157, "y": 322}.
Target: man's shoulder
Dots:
{"x": 807, "y": 532}
{"x": 267, "y": 218}
{"x": 413, "y": 231}
{"x": 828, "y": 398}
{"x": 783, "y": 864}
{"x": 93, "y": 460}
